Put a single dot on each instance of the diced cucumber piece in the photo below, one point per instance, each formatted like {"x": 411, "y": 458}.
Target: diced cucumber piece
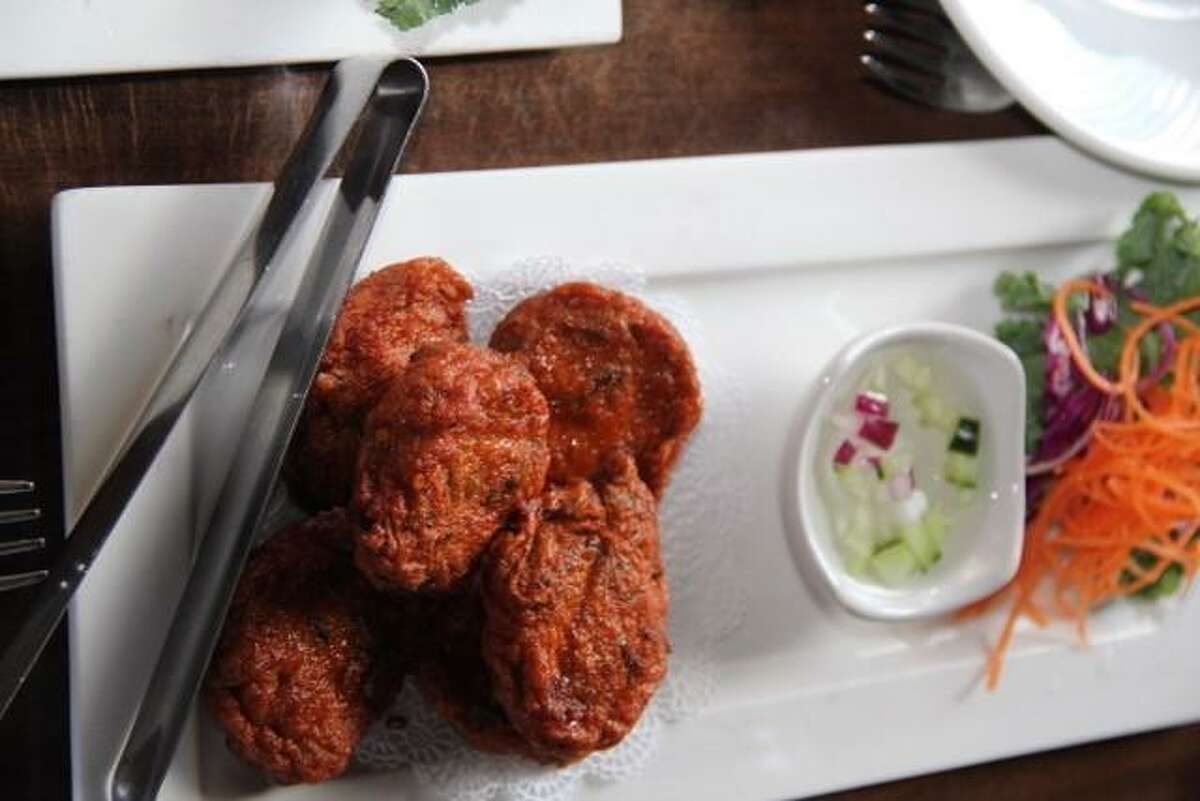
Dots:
{"x": 896, "y": 463}
{"x": 919, "y": 542}
{"x": 966, "y": 436}
{"x": 936, "y": 526}
{"x": 854, "y": 480}
{"x": 882, "y": 531}
{"x": 893, "y": 563}
{"x": 962, "y": 470}
{"x": 915, "y": 377}
{"x": 858, "y": 538}
{"x": 887, "y": 467}
{"x": 876, "y": 380}
{"x": 933, "y": 412}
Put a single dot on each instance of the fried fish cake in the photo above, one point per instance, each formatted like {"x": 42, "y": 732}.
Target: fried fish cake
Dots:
{"x": 455, "y": 445}
{"x": 453, "y": 677}
{"x": 386, "y": 317}
{"x": 618, "y": 377}
{"x": 575, "y": 616}
{"x": 299, "y": 672}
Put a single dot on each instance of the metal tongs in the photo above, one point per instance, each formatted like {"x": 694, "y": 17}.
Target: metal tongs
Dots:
{"x": 247, "y": 306}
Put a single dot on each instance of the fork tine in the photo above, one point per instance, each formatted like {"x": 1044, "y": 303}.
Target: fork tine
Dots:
{"x": 913, "y": 84}
{"x": 895, "y": 49}
{"x": 18, "y": 580}
{"x": 933, "y": 7}
{"x": 22, "y": 546}
{"x": 19, "y": 515}
{"x": 919, "y": 26}
{"x": 10, "y": 487}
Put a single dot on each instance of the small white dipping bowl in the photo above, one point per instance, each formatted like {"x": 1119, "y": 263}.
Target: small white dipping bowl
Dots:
{"x": 980, "y": 555}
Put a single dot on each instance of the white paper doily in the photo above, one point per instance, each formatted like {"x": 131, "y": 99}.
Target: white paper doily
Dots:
{"x": 702, "y": 505}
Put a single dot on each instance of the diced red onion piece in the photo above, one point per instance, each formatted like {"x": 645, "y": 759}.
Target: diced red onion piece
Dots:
{"x": 879, "y": 432}
{"x": 845, "y": 453}
{"x": 1059, "y": 382}
{"x": 872, "y": 404}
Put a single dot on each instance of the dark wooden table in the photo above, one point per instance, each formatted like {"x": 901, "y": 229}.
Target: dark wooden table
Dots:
{"x": 692, "y": 77}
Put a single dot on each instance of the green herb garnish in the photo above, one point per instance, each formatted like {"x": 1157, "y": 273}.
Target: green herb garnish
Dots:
{"x": 409, "y": 14}
{"x": 1023, "y": 292}
{"x": 1022, "y": 334}
{"x": 1167, "y": 584}
{"x": 1035, "y": 388}
{"x": 1027, "y": 299}
{"x": 1160, "y": 252}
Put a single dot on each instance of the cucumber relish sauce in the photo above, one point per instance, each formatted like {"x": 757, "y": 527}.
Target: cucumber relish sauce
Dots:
{"x": 899, "y": 468}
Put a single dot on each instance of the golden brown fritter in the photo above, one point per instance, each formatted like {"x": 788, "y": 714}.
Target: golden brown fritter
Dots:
{"x": 575, "y": 616}
{"x": 455, "y": 445}
{"x": 299, "y": 672}
{"x": 454, "y": 679}
{"x": 386, "y": 317}
{"x": 618, "y": 377}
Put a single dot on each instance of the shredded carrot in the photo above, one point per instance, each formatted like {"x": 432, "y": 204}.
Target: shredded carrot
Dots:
{"x": 1078, "y": 354}
{"x": 1134, "y": 490}
{"x": 1131, "y": 360}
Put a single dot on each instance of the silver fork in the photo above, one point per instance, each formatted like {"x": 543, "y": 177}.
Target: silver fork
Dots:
{"x": 915, "y": 51}
{"x": 11, "y": 547}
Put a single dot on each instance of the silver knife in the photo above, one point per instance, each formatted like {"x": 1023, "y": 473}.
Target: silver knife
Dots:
{"x": 196, "y": 356}
{"x": 393, "y": 109}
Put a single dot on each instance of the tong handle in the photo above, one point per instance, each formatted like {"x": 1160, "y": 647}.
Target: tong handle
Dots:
{"x": 387, "y": 124}
{"x": 337, "y": 110}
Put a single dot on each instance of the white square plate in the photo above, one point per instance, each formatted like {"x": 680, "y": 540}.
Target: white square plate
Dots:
{"x": 783, "y": 257}
{"x": 47, "y": 38}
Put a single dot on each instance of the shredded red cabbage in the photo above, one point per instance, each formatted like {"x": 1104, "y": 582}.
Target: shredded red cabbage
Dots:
{"x": 1070, "y": 404}
{"x": 1101, "y": 312}
{"x": 1059, "y": 370}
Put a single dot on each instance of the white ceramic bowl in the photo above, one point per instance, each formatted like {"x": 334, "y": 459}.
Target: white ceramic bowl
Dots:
{"x": 1119, "y": 78}
{"x": 982, "y": 550}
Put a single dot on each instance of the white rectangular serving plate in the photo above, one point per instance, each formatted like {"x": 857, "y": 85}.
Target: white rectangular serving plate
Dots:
{"x": 50, "y": 38}
{"x": 783, "y": 257}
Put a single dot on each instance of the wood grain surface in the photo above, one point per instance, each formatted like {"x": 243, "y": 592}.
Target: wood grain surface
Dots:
{"x": 692, "y": 77}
